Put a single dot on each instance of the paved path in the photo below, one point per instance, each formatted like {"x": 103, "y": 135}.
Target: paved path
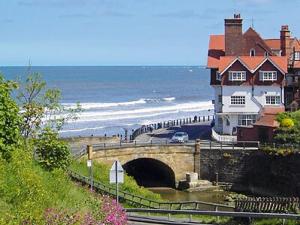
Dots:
{"x": 197, "y": 130}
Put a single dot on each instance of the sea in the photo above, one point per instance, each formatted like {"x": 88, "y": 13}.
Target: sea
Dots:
{"x": 119, "y": 98}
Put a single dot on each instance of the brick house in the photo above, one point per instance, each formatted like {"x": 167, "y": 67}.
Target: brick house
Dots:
{"x": 290, "y": 47}
{"x": 248, "y": 79}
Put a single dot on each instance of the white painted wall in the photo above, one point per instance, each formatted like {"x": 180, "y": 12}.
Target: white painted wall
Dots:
{"x": 218, "y": 105}
{"x": 251, "y": 106}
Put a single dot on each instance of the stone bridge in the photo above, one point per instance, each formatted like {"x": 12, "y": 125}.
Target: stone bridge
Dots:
{"x": 154, "y": 165}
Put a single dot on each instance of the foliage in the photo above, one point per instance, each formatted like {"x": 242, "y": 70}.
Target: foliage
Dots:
{"x": 51, "y": 152}
{"x": 289, "y": 131}
{"x": 287, "y": 123}
{"x": 32, "y": 195}
{"x": 113, "y": 214}
{"x": 9, "y": 119}
{"x": 41, "y": 107}
{"x": 101, "y": 173}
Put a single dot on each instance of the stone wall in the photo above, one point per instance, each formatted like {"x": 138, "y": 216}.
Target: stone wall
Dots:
{"x": 179, "y": 158}
{"x": 253, "y": 172}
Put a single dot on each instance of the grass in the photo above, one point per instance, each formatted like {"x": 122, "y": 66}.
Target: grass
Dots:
{"x": 26, "y": 191}
{"x": 101, "y": 173}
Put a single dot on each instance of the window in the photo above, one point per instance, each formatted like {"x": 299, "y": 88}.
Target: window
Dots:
{"x": 267, "y": 75}
{"x": 272, "y": 100}
{"x": 252, "y": 52}
{"x": 237, "y": 75}
{"x": 266, "y": 54}
{"x": 238, "y": 100}
{"x": 220, "y": 98}
{"x": 246, "y": 120}
{"x": 218, "y": 76}
{"x": 297, "y": 55}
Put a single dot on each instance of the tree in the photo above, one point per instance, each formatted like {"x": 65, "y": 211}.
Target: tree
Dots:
{"x": 41, "y": 107}
{"x": 50, "y": 151}
{"x": 10, "y": 120}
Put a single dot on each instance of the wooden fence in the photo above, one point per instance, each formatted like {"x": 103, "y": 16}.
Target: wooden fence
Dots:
{"x": 268, "y": 204}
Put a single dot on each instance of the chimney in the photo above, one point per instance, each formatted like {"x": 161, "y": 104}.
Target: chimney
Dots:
{"x": 233, "y": 35}
{"x": 285, "y": 36}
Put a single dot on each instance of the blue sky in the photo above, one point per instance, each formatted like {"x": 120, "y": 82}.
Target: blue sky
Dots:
{"x": 128, "y": 32}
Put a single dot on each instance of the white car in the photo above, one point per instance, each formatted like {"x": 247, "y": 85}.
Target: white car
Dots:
{"x": 180, "y": 137}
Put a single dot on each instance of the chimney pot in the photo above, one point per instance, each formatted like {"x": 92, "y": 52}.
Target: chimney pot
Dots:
{"x": 285, "y": 27}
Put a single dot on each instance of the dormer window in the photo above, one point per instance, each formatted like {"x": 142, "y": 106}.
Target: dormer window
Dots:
{"x": 266, "y": 54}
{"x": 237, "y": 75}
{"x": 252, "y": 52}
{"x": 297, "y": 55}
{"x": 267, "y": 75}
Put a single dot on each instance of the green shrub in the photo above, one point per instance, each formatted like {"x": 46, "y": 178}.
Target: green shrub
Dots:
{"x": 10, "y": 120}
{"x": 51, "y": 152}
{"x": 287, "y": 123}
{"x": 26, "y": 191}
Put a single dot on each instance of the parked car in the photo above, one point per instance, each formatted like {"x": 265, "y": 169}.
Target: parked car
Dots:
{"x": 180, "y": 137}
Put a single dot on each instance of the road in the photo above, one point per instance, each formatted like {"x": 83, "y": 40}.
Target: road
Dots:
{"x": 197, "y": 130}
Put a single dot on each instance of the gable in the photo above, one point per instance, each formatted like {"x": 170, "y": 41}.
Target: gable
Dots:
{"x": 252, "y": 40}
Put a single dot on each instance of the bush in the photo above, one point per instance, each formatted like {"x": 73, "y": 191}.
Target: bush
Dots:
{"x": 10, "y": 120}
{"x": 51, "y": 152}
{"x": 289, "y": 131}
{"x": 287, "y": 123}
{"x": 32, "y": 195}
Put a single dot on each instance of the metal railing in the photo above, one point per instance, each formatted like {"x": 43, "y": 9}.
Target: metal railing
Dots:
{"x": 170, "y": 123}
{"x": 204, "y": 144}
{"x": 139, "y": 201}
{"x": 214, "y": 213}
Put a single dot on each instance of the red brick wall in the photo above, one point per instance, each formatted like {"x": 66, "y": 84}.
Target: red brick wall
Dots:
{"x": 233, "y": 36}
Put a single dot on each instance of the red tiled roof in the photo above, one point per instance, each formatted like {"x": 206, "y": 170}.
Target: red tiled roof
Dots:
{"x": 216, "y": 50}
{"x": 252, "y": 62}
{"x": 268, "y": 118}
{"x": 217, "y": 42}
{"x": 281, "y": 62}
{"x": 273, "y": 43}
{"x": 295, "y": 44}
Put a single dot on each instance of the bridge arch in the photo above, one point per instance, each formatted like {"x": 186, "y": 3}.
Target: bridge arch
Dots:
{"x": 149, "y": 172}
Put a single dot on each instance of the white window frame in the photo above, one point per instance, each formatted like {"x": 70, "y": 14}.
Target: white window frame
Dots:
{"x": 273, "y": 100}
{"x": 297, "y": 55}
{"x": 237, "y": 75}
{"x": 252, "y": 52}
{"x": 218, "y": 76}
{"x": 238, "y": 100}
{"x": 268, "y": 75}
{"x": 246, "y": 120}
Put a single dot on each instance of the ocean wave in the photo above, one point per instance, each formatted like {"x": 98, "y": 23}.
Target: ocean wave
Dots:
{"x": 143, "y": 112}
{"x": 169, "y": 99}
{"x": 100, "y": 105}
{"x": 82, "y": 129}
